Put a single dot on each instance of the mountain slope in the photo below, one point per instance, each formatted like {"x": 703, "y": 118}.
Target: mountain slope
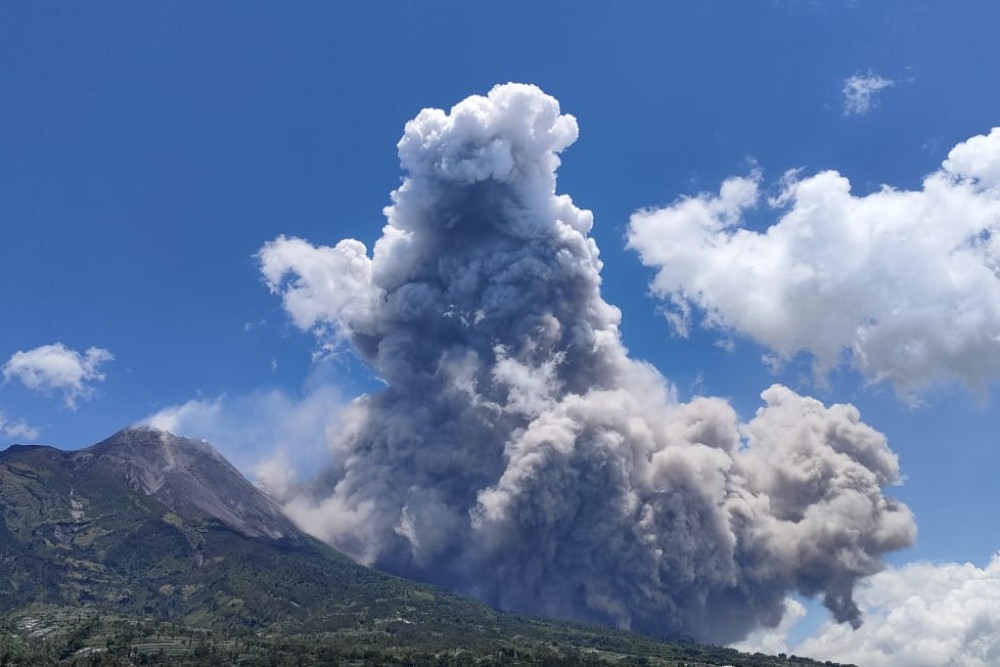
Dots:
{"x": 145, "y": 524}
{"x": 187, "y": 476}
{"x": 148, "y": 523}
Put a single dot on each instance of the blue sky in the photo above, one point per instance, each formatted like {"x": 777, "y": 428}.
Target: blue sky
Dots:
{"x": 148, "y": 151}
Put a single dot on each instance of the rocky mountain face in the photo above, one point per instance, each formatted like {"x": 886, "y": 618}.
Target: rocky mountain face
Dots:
{"x": 188, "y": 477}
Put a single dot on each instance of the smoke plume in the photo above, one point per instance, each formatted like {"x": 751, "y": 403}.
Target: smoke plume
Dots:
{"x": 518, "y": 454}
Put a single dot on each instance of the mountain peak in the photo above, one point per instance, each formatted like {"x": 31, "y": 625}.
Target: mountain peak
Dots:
{"x": 153, "y": 443}
{"x": 189, "y": 477}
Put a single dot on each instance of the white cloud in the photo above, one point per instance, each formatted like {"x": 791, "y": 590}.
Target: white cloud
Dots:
{"x": 774, "y": 640}
{"x": 905, "y": 281}
{"x": 860, "y": 91}
{"x": 320, "y": 286}
{"x": 17, "y": 429}
{"x": 58, "y": 368}
{"x": 919, "y": 615}
{"x": 269, "y": 435}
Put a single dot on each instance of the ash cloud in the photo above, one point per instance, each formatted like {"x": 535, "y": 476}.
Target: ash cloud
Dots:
{"x": 517, "y": 453}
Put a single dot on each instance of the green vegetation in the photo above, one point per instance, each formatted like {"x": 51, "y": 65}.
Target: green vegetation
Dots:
{"x": 75, "y": 636}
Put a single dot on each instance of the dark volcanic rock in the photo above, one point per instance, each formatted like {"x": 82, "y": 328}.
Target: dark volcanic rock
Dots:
{"x": 189, "y": 477}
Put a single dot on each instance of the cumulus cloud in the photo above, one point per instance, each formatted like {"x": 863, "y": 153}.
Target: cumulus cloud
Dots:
{"x": 517, "y": 453}
{"x": 57, "y": 368}
{"x": 17, "y": 429}
{"x": 325, "y": 287}
{"x": 773, "y": 641}
{"x": 919, "y": 615}
{"x": 273, "y": 437}
{"x": 860, "y": 93}
{"x": 904, "y": 283}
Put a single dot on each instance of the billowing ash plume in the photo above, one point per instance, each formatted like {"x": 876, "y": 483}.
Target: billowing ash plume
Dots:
{"x": 518, "y": 454}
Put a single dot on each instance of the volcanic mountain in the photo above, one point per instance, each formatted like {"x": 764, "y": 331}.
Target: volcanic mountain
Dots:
{"x": 149, "y": 523}
{"x": 146, "y": 525}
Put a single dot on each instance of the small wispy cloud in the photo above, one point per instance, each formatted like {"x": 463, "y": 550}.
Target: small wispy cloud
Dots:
{"x": 860, "y": 92}
{"x": 17, "y": 429}
{"x": 50, "y": 368}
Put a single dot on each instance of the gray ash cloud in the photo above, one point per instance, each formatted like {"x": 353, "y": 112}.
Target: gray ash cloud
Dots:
{"x": 518, "y": 454}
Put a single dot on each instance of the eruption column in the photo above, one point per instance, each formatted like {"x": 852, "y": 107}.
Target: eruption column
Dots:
{"x": 517, "y": 453}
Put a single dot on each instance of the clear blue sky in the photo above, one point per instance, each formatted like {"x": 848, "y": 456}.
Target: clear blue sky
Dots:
{"x": 148, "y": 150}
